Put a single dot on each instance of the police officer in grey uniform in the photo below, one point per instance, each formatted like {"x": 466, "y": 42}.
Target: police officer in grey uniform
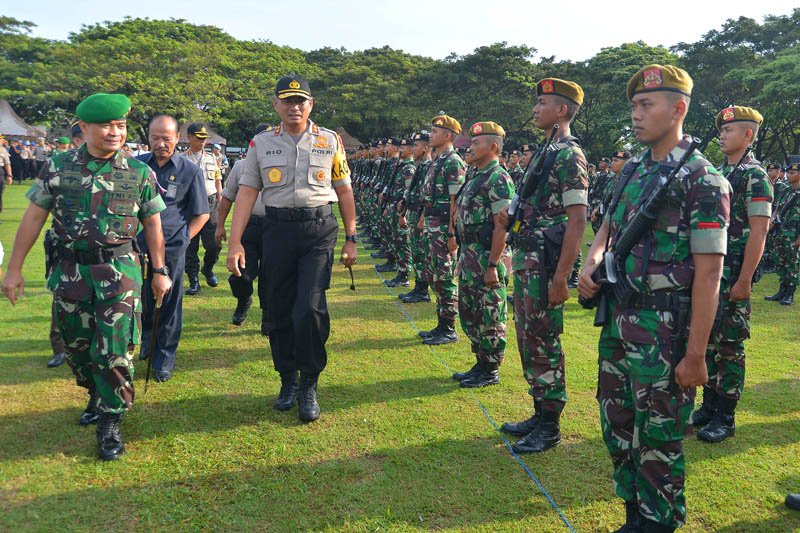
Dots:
{"x": 302, "y": 170}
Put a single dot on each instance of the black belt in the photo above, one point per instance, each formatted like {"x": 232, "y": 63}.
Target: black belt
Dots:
{"x": 299, "y": 214}
{"x": 654, "y": 301}
{"x": 442, "y": 211}
{"x": 96, "y": 256}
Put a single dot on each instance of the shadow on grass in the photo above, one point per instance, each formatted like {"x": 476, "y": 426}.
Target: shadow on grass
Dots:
{"x": 34, "y": 434}
{"x": 772, "y": 398}
{"x": 787, "y": 520}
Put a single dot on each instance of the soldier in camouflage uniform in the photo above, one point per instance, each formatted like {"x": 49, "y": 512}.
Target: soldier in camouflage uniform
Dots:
{"x": 787, "y": 236}
{"x": 98, "y": 198}
{"x": 515, "y": 169}
{"x": 554, "y": 213}
{"x": 751, "y": 208}
{"x": 413, "y": 206}
{"x": 648, "y": 369}
{"x": 779, "y": 191}
{"x": 481, "y": 274}
{"x": 597, "y": 190}
{"x": 444, "y": 180}
{"x": 401, "y": 182}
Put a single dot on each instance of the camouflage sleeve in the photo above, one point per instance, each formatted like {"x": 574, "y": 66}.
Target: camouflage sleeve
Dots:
{"x": 708, "y": 203}
{"x": 454, "y": 171}
{"x": 759, "y": 193}
{"x": 340, "y": 171}
{"x": 150, "y": 200}
{"x": 40, "y": 193}
{"x": 571, "y": 170}
{"x": 501, "y": 189}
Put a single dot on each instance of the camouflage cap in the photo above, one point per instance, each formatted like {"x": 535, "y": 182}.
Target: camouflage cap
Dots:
{"x": 660, "y": 78}
{"x": 487, "y": 128}
{"x": 621, "y": 154}
{"x": 446, "y": 122}
{"x": 99, "y": 108}
{"x": 737, "y": 113}
{"x": 566, "y": 89}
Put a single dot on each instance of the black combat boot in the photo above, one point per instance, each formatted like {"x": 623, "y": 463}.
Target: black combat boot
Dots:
{"x": 778, "y": 296}
{"x": 703, "y": 416}
{"x": 649, "y": 526}
{"x": 633, "y": 520}
{"x": 380, "y": 254}
{"x": 388, "y": 266}
{"x": 723, "y": 425}
{"x": 427, "y": 334}
{"x": 211, "y": 278}
{"x": 488, "y": 374}
{"x": 307, "y": 398}
{"x": 288, "y": 394}
{"x": 90, "y": 414}
{"x": 461, "y": 376}
{"x": 520, "y": 429}
{"x": 793, "y": 501}
{"x": 400, "y": 280}
{"x": 194, "y": 285}
{"x": 419, "y": 294}
{"x": 546, "y": 435}
{"x": 412, "y": 291}
{"x": 446, "y": 334}
{"x": 240, "y": 314}
{"x": 109, "y": 439}
{"x": 788, "y": 296}
{"x": 56, "y": 360}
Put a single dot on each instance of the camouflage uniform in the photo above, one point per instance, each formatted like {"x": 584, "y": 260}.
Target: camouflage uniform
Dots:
{"x": 788, "y": 264}
{"x": 419, "y": 245}
{"x": 482, "y": 310}
{"x": 445, "y": 177}
{"x": 98, "y": 204}
{"x": 516, "y": 173}
{"x": 644, "y": 415}
{"x": 781, "y": 191}
{"x": 401, "y": 246}
{"x": 725, "y": 357}
{"x": 538, "y": 325}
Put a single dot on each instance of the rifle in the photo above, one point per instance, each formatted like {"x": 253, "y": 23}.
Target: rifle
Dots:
{"x": 414, "y": 183}
{"x": 611, "y": 269}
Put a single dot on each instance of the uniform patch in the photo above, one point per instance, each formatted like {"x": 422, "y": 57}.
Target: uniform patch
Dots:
{"x": 709, "y": 225}
{"x": 728, "y": 114}
{"x": 476, "y": 129}
{"x": 321, "y": 142}
{"x": 320, "y": 175}
{"x": 709, "y": 206}
{"x": 274, "y": 175}
{"x": 652, "y": 78}
{"x": 547, "y": 87}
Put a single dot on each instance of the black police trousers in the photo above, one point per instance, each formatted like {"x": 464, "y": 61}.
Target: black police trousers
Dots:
{"x": 297, "y": 261}
{"x": 252, "y": 240}
{"x": 209, "y": 242}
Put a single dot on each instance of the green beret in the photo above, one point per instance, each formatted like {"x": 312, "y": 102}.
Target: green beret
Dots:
{"x": 448, "y": 123}
{"x": 566, "y": 89}
{"x": 63, "y": 140}
{"x": 101, "y": 107}
{"x": 737, "y": 113}
{"x": 487, "y": 128}
{"x": 660, "y": 78}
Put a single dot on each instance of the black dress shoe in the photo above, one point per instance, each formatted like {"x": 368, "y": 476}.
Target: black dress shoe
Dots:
{"x": 162, "y": 376}
{"x": 90, "y": 414}
{"x": 793, "y": 501}
{"x": 211, "y": 278}
{"x": 57, "y": 360}
{"x": 194, "y": 285}
{"x": 288, "y": 395}
{"x": 487, "y": 375}
{"x": 109, "y": 439}
{"x": 240, "y": 314}
{"x": 307, "y": 399}
{"x": 546, "y": 435}
{"x": 705, "y": 413}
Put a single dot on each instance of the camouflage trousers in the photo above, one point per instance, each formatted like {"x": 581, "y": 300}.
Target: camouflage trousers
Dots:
{"x": 644, "y": 417}
{"x": 788, "y": 259}
{"x": 401, "y": 243}
{"x": 482, "y": 311}
{"x": 725, "y": 358}
{"x": 539, "y": 329}
{"x": 442, "y": 269}
{"x": 419, "y": 247}
{"x": 99, "y": 318}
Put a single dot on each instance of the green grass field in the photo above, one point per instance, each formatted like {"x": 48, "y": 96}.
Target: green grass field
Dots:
{"x": 399, "y": 446}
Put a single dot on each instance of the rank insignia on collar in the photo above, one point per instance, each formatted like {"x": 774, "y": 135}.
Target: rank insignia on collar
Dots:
{"x": 314, "y": 129}
{"x": 172, "y": 178}
{"x": 652, "y": 78}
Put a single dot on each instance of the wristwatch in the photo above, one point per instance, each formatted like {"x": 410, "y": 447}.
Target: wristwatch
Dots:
{"x": 492, "y": 265}
{"x": 164, "y": 271}
{"x": 351, "y": 238}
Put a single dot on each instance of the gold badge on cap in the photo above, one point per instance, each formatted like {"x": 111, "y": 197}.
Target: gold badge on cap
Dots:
{"x": 547, "y": 86}
{"x": 438, "y": 122}
{"x": 476, "y": 129}
{"x": 294, "y": 84}
{"x": 652, "y": 78}
{"x": 728, "y": 114}
{"x": 274, "y": 175}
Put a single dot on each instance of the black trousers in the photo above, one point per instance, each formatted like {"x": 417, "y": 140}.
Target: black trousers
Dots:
{"x": 252, "y": 241}
{"x": 297, "y": 261}
{"x": 209, "y": 242}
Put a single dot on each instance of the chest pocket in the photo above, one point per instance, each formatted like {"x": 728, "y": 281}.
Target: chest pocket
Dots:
{"x": 122, "y": 204}
{"x": 662, "y": 240}
{"x": 210, "y": 170}
{"x": 274, "y": 170}
{"x": 474, "y": 202}
{"x": 319, "y": 169}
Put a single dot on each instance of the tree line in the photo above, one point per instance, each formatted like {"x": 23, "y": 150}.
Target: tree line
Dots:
{"x": 199, "y": 72}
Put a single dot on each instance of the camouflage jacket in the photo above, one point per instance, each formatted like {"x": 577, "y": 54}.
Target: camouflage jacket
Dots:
{"x": 516, "y": 173}
{"x": 444, "y": 179}
{"x": 415, "y": 193}
{"x": 402, "y": 179}
{"x": 789, "y": 215}
{"x": 751, "y": 197}
{"x": 484, "y": 195}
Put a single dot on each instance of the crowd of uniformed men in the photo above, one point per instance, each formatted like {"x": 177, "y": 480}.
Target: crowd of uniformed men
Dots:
{"x": 678, "y": 244}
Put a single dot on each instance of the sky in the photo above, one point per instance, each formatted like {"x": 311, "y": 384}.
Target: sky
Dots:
{"x": 432, "y": 29}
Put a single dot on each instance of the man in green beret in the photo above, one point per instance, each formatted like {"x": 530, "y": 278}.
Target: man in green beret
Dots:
{"x": 481, "y": 272}
{"x": 98, "y": 198}
{"x": 548, "y": 229}
{"x": 652, "y": 347}
{"x": 751, "y": 208}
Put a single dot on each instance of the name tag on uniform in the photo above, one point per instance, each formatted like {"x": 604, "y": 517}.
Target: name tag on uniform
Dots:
{"x": 172, "y": 191}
